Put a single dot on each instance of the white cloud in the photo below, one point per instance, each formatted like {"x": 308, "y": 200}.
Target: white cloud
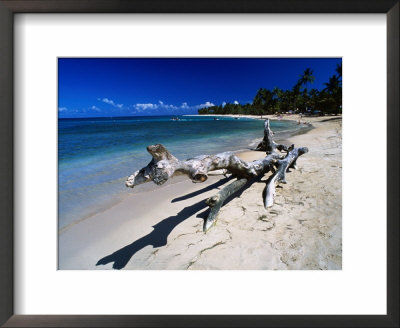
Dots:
{"x": 157, "y": 108}
{"x": 97, "y": 109}
{"x": 145, "y": 106}
{"x": 223, "y": 103}
{"x": 110, "y": 102}
{"x": 236, "y": 102}
{"x": 207, "y": 104}
{"x": 161, "y": 107}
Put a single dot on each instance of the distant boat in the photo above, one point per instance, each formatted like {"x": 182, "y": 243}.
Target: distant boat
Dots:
{"x": 216, "y": 119}
{"x": 175, "y": 119}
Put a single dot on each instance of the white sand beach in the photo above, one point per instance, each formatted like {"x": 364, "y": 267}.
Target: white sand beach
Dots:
{"x": 162, "y": 228}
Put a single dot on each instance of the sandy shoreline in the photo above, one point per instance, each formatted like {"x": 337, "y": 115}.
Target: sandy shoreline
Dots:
{"x": 290, "y": 117}
{"x": 162, "y": 229}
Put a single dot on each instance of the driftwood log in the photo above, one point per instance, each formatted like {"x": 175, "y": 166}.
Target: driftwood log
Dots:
{"x": 164, "y": 165}
{"x": 268, "y": 144}
{"x": 279, "y": 176}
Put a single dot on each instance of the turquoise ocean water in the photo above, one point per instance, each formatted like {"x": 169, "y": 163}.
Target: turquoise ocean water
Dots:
{"x": 95, "y": 155}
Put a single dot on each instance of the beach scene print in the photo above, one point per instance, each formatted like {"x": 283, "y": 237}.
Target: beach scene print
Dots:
{"x": 199, "y": 163}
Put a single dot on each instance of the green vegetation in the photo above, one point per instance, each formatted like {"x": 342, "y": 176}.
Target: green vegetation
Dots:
{"x": 300, "y": 99}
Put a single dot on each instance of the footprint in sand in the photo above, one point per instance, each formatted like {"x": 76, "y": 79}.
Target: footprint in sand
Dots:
{"x": 274, "y": 212}
{"x": 269, "y": 223}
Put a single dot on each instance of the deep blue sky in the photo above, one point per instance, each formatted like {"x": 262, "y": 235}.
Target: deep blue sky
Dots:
{"x": 90, "y": 87}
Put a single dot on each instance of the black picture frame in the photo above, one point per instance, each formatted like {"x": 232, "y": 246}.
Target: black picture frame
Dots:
{"x": 10, "y": 7}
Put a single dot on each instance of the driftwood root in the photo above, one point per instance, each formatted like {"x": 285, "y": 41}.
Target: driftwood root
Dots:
{"x": 268, "y": 144}
{"x": 279, "y": 176}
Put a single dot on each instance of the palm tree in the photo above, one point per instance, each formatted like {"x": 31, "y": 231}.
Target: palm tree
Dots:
{"x": 333, "y": 85}
{"x": 334, "y": 91}
{"x": 299, "y": 95}
{"x": 264, "y": 101}
{"x": 314, "y": 94}
{"x": 339, "y": 70}
{"x": 307, "y": 77}
{"x": 277, "y": 97}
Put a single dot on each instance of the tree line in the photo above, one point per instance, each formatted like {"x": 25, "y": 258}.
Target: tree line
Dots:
{"x": 299, "y": 99}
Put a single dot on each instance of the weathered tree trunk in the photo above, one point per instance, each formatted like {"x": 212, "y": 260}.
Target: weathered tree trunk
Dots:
{"x": 268, "y": 144}
{"x": 216, "y": 202}
{"x": 280, "y": 174}
{"x": 164, "y": 166}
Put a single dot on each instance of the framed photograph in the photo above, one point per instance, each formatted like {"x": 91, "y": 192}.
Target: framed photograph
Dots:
{"x": 112, "y": 109}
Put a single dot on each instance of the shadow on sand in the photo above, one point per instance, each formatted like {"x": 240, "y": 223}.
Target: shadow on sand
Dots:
{"x": 198, "y": 192}
{"x": 158, "y": 237}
